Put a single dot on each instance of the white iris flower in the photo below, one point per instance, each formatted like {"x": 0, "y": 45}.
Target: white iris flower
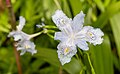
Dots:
{"x": 24, "y": 44}
{"x": 73, "y": 34}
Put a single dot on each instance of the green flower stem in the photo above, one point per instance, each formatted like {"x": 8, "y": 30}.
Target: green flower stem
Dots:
{"x": 50, "y": 36}
{"x": 82, "y": 65}
{"x": 11, "y": 14}
{"x": 92, "y": 69}
{"x": 50, "y": 31}
{"x": 36, "y": 34}
{"x": 50, "y": 27}
{"x": 81, "y": 72}
{"x": 57, "y": 4}
{"x": 79, "y": 60}
{"x": 13, "y": 25}
{"x": 60, "y": 70}
{"x": 44, "y": 31}
{"x": 80, "y": 52}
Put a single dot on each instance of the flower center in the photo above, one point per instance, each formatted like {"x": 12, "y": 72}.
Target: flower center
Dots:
{"x": 27, "y": 46}
{"x": 62, "y": 21}
{"x": 91, "y": 35}
{"x": 66, "y": 50}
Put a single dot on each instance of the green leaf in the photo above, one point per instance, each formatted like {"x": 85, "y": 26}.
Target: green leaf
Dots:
{"x": 66, "y": 8}
{"x": 104, "y": 17}
{"x": 106, "y": 3}
{"x": 100, "y": 5}
{"x": 17, "y": 5}
{"x": 50, "y": 56}
{"x": 102, "y": 59}
{"x": 116, "y": 61}
{"x": 49, "y": 70}
{"x": 73, "y": 67}
{"x": 115, "y": 25}
{"x": 4, "y": 26}
{"x": 76, "y": 6}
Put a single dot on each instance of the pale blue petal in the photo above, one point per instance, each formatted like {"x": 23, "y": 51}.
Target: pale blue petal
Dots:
{"x": 21, "y": 23}
{"x": 32, "y": 48}
{"x": 66, "y": 58}
{"x": 17, "y": 37}
{"x": 19, "y": 48}
{"x": 26, "y": 46}
{"x": 22, "y": 52}
{"x": 11, "y": 33}
{"x": 97, "y": 36}
{"x": 98, "y": 32}
{"x": 39, "y": 26}
{"x": 78, "y": 21}
{"x": 60, "y": 36}
{"x": 62, "y": 21}
{"x": 32, "y": 51}
{"x": 25, "y": 35}
{"x": 93, "y": 35}
{"x": 85, "y": 29}
{"x": 84, "y": 32}
{"x": 82, "y": 44}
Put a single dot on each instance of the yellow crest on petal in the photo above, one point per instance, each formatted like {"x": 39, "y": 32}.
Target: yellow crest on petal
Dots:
{"x": 66, "y": 50}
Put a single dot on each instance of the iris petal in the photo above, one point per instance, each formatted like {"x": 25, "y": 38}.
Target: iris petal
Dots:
{"x": 82, "y": 44}
{"x": 66, "y": 58}
{"x": 60, "y": 36}
{"x": 78, "y": 21}
{"x": 21, "y": 23}
{"x": 62, "y": 21}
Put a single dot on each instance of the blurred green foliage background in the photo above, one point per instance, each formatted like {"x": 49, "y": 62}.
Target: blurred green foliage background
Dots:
{"x": 104, "y": 14}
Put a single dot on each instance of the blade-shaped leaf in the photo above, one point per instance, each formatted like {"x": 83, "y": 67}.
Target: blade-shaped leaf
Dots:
{"x": 50, "y": 56}
{"x": 102, "y": 59}
{"x": 104, "y": 17}
{"x": 100, "y": 5}
{"x": 115, "y": 25}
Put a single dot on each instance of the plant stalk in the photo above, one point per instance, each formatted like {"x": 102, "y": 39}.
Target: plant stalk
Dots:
{"x": 13, "y": 26}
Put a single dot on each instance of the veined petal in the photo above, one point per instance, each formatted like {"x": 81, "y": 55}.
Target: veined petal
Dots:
{"x": 17, "y": 37}
{"x": 62, "y": 21}
{"x": 78, "y": 21}
{"x": 93, "y": 35}
{"x": 98, "y": 32}
{"x": 11, "y": 33}
{"x": 66, "y": 52}
{"x": 21, "y": 23}
{"x": 85, "y": 29}
{"x": 26, "y": 46}
{"x": 19, "y": 48}
{"x": 25, "y": 35}
{"x": 22, "y": 52}
{"x": 97, "y": 36}
{"x": 60, "y": 36}
{"x": 82, "y": 44}
{"x": 32, "y": 51}
{"x": 32, "y": 48}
